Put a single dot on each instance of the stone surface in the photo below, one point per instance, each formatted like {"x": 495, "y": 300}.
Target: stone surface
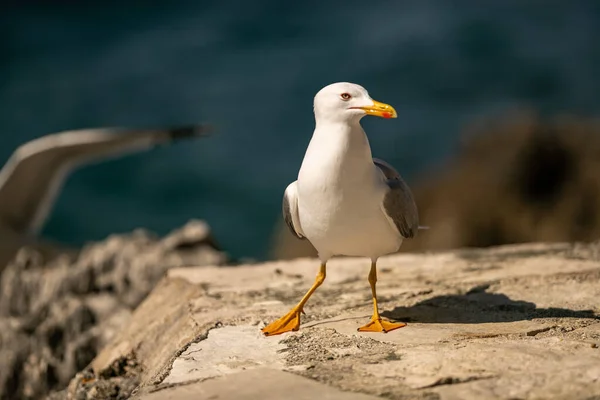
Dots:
{"x": 515, "y": 322}
{"x": 55, "y": 316}
{"x": 224, "y": 351}
{"x": 262, "y": 383}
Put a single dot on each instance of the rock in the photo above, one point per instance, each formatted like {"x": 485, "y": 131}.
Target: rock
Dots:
{"x": 56, "y": 316}
{"x": 500, "y": 323}
{"x": 261, "y": 383}
{"x": 517, "y": 180}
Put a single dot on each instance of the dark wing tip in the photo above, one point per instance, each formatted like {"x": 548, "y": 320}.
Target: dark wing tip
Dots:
{"x": 189, "y": 131}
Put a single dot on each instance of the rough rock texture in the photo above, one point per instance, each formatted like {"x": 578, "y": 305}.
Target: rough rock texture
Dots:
{"x": 517, "y": 322}
{"x": 520, "y": 179}
{"x": 55, "y": 317}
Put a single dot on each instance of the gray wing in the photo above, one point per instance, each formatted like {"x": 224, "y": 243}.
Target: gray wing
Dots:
{"x": 34, "y": 174}
{"x": 399, "y": 203}
{"x": 289, "y": 207}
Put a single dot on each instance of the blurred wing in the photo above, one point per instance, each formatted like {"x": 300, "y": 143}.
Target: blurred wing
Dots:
{"x": 290, "y": 210}
{"x": 34, "y": 174}
{"x": 398, "y": 203}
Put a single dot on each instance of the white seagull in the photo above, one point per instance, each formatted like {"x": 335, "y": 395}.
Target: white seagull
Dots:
{"x": 344, "y": 201}
{"x": 31, "y": 179}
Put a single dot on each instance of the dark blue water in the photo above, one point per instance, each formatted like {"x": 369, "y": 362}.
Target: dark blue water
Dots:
{"x": 252, "y": 68}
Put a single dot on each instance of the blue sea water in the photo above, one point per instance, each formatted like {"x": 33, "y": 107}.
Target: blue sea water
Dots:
{"x": 251, "y": 68}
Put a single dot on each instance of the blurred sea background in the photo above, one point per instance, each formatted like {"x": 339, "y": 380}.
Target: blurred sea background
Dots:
{"x": 251, "y": 69}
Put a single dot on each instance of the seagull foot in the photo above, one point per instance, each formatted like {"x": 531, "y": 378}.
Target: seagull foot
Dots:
{"x": 289, "y": 322}
{"x": 379, "y": 325}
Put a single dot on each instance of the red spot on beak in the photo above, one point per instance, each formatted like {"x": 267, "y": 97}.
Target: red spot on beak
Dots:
{"x": 386, "y": 115}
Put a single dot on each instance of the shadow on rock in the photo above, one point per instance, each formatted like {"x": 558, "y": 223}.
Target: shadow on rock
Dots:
{"x": 478, "y": 306}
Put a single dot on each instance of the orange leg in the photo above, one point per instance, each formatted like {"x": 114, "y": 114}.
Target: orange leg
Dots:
{"x": 291, "y": 320}
{"x": 377, "y": 324}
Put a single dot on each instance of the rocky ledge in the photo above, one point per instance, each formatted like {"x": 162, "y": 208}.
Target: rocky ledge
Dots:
{"x": 55, "y": 315}
{"x": 512, "y": 322}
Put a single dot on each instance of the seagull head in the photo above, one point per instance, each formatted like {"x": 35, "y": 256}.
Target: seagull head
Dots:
{"x": 348, "y": 102}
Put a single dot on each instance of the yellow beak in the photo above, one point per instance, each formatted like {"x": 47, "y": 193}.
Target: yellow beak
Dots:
{"x": 380, "y": 110}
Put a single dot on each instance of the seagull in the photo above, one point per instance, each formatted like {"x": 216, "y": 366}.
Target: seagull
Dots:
{"x": 345, "y": 202}
{"x": 33, "y": 176}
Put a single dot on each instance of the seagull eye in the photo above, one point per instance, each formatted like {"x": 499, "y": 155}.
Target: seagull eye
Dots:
{"x": 345, "y": 96}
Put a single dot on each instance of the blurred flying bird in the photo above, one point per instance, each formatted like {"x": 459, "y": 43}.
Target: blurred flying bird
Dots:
{"x": 32, "y": 178}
